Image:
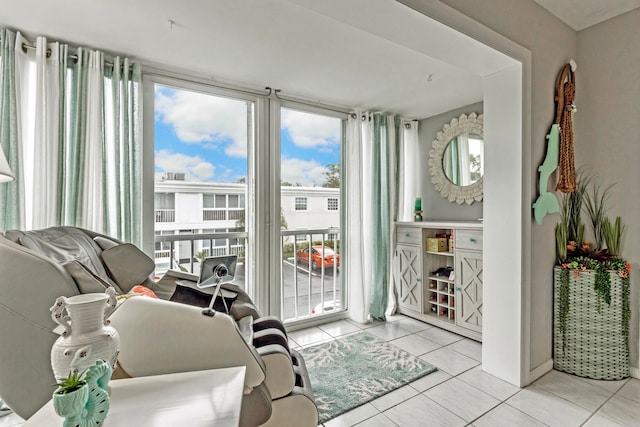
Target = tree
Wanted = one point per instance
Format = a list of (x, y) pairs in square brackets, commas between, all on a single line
[(333, 176)]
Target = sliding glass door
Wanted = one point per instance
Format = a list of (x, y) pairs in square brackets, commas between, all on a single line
[(310, 212), (249, 175), (202, 146)]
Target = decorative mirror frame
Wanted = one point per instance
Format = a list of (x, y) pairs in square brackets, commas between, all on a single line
[(472, 124)]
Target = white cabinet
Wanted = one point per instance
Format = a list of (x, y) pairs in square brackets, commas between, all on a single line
[(409, 277), (425, 287), (408, 268), (469, 289)]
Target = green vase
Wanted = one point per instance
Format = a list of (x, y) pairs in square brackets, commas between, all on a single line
[(88, 406), (67, 404)]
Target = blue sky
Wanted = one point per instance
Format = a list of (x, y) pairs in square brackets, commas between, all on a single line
[(204, 136)]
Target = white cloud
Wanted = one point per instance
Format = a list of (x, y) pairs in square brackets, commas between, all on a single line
[(312, 130), (195, 167), (305, 172), (204, 119)]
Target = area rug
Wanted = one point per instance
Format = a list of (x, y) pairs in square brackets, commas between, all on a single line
[(356, 369)]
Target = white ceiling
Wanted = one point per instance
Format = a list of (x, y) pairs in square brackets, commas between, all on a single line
[(372, 54), (581, 14)]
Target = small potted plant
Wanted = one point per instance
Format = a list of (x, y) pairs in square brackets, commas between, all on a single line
[(71, 395)]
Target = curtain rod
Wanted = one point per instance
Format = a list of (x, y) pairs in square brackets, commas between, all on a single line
[(364, 117), (26, 46), (154, 71)]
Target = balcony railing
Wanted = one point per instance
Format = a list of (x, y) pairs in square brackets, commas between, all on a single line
[(165, 215), (222, 214), (184, 249), (308, 287)]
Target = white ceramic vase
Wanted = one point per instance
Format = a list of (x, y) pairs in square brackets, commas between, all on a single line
[(87, 335)]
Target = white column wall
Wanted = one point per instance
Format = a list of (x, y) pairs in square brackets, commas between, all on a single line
[(502, 352), (188, 207)]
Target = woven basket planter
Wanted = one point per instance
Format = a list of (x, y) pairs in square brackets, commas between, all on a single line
[(594, 345)]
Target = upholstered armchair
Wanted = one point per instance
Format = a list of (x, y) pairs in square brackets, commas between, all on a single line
[(157, 336)]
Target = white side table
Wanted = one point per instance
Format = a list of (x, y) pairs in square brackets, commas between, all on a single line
[(201, 398)]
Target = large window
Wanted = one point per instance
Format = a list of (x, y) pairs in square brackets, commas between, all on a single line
[(217, 193), (310, 159), (201, 164)]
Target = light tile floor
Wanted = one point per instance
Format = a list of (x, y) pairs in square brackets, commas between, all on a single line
[(461, 394)]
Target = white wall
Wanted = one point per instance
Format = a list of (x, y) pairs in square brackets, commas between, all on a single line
[(316, 216), (552, 43), (503, 238), (607, 131), (188, 208)]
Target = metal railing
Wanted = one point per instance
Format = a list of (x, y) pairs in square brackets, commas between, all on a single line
[(222, 214), (309, 286), (165, 215), (223, 250), (315, 287), (185, 254)]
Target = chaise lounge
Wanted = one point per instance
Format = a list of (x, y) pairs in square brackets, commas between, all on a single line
[(157, 336)]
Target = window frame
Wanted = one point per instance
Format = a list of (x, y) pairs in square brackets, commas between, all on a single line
[(262, 200), (295, 203), (329, 204), (257, 136)]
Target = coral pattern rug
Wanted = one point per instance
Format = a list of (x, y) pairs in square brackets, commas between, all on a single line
[(356, 369)]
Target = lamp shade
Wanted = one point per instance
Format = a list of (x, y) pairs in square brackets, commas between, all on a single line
[(5, 172)]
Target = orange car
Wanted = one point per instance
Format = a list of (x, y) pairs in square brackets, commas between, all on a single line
[(321, 256)]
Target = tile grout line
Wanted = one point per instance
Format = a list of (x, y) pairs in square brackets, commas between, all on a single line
[(600, 407), (574, 403), (522, 412)]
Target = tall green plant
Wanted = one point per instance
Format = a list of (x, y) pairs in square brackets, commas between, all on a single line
[(595, 207), (571, 208), (561, 242), (613, 235)]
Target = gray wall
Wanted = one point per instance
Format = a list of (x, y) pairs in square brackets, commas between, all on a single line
[(435, 206), (552, 43), (607, 129)]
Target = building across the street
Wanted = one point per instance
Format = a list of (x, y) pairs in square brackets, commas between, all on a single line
[(184, 207)]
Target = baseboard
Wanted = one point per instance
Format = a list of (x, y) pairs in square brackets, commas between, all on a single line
[(540, 370), (634, 372)]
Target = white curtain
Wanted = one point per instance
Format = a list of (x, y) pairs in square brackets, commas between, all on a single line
[(92, 199), (371, 209), (395, 137), (38, 126), (404, 161), (77, 151), (359, 243), (408, 170), (463, 159)]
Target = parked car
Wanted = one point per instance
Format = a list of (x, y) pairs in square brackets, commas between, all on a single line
[(321, 256)]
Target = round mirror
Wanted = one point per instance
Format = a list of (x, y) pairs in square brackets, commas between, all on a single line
[(456, 159), (462, 160)]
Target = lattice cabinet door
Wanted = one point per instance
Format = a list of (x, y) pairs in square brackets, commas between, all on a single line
[(469, 289), (409, 277)]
